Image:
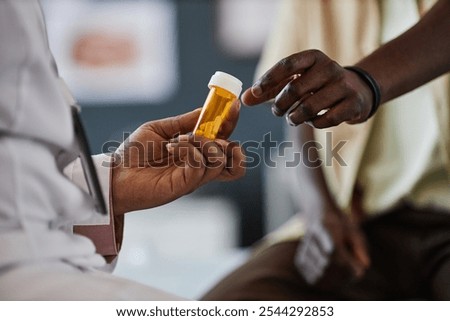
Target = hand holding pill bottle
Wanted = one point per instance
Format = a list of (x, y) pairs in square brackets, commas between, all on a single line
[(224, 90)]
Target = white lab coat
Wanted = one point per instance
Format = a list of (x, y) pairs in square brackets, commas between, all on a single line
[(40, 258)]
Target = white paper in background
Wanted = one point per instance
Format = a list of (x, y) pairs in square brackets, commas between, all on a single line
[(243, 25), (115, 51)]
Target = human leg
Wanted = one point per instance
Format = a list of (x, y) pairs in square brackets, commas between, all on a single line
[(395, 242), (269, 275)]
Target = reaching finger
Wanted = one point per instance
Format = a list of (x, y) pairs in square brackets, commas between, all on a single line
[(250, 100), (282, 72)]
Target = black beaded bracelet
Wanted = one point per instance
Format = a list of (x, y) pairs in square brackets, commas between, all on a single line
[(369, 80)]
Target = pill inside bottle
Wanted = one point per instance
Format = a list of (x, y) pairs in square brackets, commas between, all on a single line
[(224, 89)]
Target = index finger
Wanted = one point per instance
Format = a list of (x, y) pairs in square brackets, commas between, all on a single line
[(274, 80)]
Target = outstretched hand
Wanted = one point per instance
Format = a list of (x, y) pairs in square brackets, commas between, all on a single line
[(310, 87), (161, 161)]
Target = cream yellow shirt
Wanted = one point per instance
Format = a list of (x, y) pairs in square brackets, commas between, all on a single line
[(403, 159), (398, 155)]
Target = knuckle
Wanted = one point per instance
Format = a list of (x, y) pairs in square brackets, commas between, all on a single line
[(331, 65), (332, 119), (356, 105), (307, 110), (357, 113), (330, 72), (291, 89), (318, 124), (359, 100), (288, 63), (347, 85), (266, 80), (318, 55)]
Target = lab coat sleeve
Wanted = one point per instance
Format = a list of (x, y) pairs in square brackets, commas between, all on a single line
[(105, 231)]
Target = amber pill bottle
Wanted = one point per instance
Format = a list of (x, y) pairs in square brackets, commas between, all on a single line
[(224, 89)]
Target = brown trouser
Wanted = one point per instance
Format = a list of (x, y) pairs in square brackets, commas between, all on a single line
[(410, 253)]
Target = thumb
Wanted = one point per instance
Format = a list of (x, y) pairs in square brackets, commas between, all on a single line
[(177, 125)]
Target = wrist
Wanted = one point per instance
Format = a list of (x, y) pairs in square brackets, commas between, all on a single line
[(117, 200), (372, 84)]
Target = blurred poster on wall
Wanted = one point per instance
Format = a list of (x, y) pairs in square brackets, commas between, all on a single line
[(115, 51), (243, 26)]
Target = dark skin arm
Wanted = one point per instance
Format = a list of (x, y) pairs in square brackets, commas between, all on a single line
[(306, 83), (160, 162), (417, 56)]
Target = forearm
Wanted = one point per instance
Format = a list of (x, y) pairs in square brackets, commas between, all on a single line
[(414, 58)]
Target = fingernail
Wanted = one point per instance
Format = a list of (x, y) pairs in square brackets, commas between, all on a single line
[(309, 123), (170, 147), (276, 111), (181, 138), (257, 90), (213, 150), (289, 120)]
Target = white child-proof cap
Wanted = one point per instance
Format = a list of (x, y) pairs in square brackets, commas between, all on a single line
[(226, 81)]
